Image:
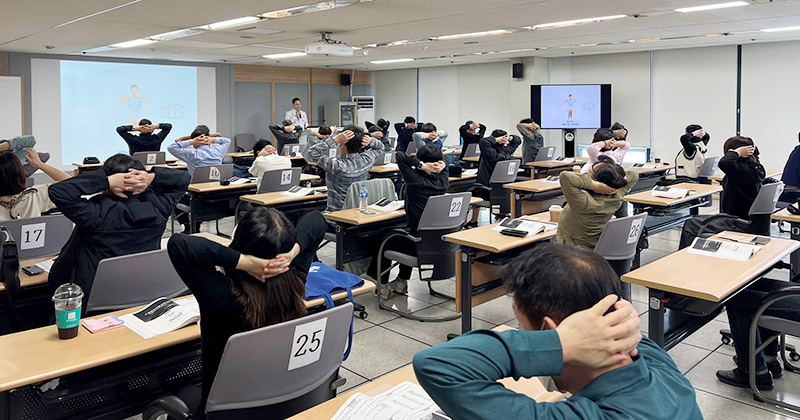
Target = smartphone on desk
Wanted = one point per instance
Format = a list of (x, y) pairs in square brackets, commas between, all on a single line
[(32, 270)]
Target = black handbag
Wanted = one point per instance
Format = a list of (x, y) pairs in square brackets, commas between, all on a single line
[(90, 160), (10, 273)]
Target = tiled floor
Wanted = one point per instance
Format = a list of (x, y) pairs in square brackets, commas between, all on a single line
[(385, 342)]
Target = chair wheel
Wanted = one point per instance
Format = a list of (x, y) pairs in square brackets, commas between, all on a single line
[(726, 340), (363, 314), (794, 356)]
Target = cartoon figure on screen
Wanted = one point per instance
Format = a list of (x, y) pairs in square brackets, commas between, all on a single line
[(570, 102), (135, 100)]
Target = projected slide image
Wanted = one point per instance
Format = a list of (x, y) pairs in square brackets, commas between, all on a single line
[(97, 97), (573, 106)]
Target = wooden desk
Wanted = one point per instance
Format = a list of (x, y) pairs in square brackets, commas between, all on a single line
[(87, 167), (703, 278), (458, 183), (771, 172), (531, 387), (285, 203), (661, 168), (794, 231), (543, 167), (472, 159), (384, 169), (477, 279), (532, 187), (646, 198)]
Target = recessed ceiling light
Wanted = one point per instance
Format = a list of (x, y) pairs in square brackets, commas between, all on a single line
[(712, 6), (472, 34), (180, 33), (396, 60), (232, 23), (785, 28), (134, 43), (576, 22), (97, 13), (284, 55)]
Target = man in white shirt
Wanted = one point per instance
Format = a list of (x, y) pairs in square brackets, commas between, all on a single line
[(267, 159), (297, 115)]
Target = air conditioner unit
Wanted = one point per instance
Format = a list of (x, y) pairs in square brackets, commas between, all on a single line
[(365, 109)]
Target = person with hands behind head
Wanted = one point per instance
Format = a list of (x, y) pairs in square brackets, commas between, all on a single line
[(533, 140), (262, 281), (428, 134), (405, 131), (376, 133), (471, 133), (574, 335), (16, 200), (344, 162), (127, 213), (606, 143), (267, 159), (694, 143), (382, 124), (200, 148), (286, 133), (425, 175), (495, 148), (140, 138)]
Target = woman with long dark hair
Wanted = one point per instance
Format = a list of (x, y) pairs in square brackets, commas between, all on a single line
[(262, 282), (16, 199)]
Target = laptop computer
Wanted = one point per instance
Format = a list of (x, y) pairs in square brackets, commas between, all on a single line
[(545, 153), (210, 173)]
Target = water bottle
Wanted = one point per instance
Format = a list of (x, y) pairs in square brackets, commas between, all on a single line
[(652, 158), (362, 198)]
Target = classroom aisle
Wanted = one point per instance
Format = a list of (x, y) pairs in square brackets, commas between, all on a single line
[(385, 342)]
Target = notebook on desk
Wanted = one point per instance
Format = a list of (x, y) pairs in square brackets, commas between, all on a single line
[(723, 249)]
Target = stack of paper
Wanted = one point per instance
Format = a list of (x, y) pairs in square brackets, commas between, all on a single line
[(669, 192), (529, 226), (403, 402), (297, 191), (723, 249)]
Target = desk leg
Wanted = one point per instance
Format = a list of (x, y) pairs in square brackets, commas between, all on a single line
[(656, 312), (517, 198), (339, 248), (466, 290), (637, 257), (794, 258), (192, 208)]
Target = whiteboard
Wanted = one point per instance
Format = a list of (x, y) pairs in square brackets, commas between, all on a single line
[(11, 121)]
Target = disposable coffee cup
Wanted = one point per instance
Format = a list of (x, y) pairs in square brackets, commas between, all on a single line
[(576, 168), (658, 160), (555, 213), (67, 300)]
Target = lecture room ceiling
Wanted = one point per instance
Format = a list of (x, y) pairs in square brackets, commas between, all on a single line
[(384, 29)]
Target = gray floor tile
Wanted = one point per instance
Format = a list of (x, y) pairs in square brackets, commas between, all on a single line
[(431, 333), (640, 307), (353, 380), (639, 293), (739, 411), (708, 336), (711, 405), (687, 356), (377, 351)]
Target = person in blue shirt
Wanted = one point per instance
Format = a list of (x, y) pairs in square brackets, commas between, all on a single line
[(200, 148), (405, 130), (573, 329), (428, 134)]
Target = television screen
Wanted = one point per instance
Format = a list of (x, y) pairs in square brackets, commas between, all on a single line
[(571, 106)]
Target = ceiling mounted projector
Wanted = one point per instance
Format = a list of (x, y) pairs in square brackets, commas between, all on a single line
[(328, 46)]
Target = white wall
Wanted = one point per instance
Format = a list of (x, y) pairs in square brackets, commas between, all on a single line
[(770, 113), (439, 99), (395, 94), (484, 95), (693, 86)]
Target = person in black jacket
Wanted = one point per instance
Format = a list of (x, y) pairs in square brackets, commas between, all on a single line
[(692, 138), (128, 215), (286, 133), (471, 132), (744, 175), (382, 124), (495, 148), (405, 131), (425, 175), (265, 267), (146, 141)]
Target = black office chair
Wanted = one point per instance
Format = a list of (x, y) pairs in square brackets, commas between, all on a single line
[(499, 202), (244, 142), (763, 206), (473, 150), (443, 214)]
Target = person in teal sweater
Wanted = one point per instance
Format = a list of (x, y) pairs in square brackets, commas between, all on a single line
[(574, 329), (17, 145)]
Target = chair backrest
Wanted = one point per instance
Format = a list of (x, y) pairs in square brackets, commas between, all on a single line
[(378, 188), (210, 173), (766, 199), (244, 141), (151, 158), (385, 159), (546, 153), (281, 362), (620, 237), (392, 142), (505, 172), (133, 280), (709, 167), (445, 211), (279, 180), (473, 150), (39, 237), (290, 148), (443, 214), (412, 148)]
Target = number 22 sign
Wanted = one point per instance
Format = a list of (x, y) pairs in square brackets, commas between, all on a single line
[(307, 343)]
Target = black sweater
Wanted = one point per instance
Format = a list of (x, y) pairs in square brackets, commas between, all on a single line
[(469, 138), (689, 142), (742, 182), (420, 186), (108, 226), (144, 142), (404, 135), (491, 153), (195, 260)]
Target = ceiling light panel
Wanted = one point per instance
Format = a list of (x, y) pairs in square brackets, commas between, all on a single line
[(576, 22), (712, 6)]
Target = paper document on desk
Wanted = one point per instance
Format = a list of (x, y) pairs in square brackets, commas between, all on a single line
[(525, 225), (162, 316), (384, 205), (239, 181), (668, 192), (469, 172), (390, 166), (298, 191), (723, 249), (406, 401), (552, 178), (46, 265)]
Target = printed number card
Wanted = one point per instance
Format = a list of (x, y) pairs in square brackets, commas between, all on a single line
[(151, 158), (213, 173), (307, 343), (332, 153), (387, 158), (633, 233), (32, 236), (455, 207), (286, 177), (512, 168)]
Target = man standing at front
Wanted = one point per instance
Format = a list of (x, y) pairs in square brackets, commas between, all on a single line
[(296, 115)]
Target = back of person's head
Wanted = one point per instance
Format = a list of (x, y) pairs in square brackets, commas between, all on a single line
[(556, 280), (602, 135), (259, 146), (608, 172), (409, 120), (498, 133), (286, 123), (121, 164), (200, 130), (525, 121), (325, 130), (265, 233), (693, 127), (383, 123), (427, 128), (375, 129), (469, 122), (353, 145), (144, 121), (12, 174), (618, 126), (736, 142), (429, 153)]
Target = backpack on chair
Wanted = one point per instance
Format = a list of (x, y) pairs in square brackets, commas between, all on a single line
[(10, 273)]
